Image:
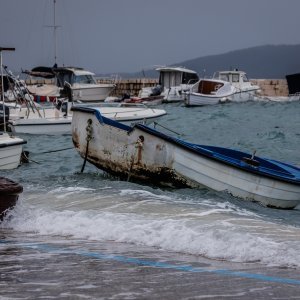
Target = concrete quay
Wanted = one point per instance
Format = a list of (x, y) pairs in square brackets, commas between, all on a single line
[(269, 87)]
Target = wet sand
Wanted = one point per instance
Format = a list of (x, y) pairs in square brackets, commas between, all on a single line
[(92, 270)]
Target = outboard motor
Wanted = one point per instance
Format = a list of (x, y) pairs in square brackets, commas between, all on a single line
[(156, 91), (125, 96), (67, 92)]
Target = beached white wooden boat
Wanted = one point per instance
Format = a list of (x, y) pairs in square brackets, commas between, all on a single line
[(143, 153), (225, 86), (56, 119)]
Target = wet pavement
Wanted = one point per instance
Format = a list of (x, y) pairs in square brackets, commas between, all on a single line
[(68, 269)]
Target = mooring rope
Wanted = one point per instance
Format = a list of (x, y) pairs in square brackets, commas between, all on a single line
[(88, 138), (57, 150), (157, 124)]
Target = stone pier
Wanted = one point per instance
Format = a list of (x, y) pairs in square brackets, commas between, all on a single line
[(269, 87)]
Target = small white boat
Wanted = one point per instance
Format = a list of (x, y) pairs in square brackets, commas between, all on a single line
[(225, 86), (173, 82), (56, 119), (38, 119), (143, 153), (11, 149), (209, 92), (83, 84), (126, 113)]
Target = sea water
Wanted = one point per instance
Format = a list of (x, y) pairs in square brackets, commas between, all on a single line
[(63, 211)]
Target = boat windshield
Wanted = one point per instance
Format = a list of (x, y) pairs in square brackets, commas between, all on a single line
[(224, 77), (84, 79), (235, 77), (189, 78)]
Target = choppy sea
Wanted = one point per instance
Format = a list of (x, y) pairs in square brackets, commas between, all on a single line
[(66, 222)]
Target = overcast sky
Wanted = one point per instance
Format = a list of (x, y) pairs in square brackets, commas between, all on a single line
[(111, 36)]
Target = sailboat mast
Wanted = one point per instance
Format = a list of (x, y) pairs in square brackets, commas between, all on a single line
[(55, 27)]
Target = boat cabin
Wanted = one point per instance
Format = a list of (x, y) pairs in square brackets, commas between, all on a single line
[(61, 75), (231, 76), (73, 76), (175, 76)]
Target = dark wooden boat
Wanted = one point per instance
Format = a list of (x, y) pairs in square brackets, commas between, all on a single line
[(9, 194)]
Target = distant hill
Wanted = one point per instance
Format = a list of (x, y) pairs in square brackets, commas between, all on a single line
[(269, 62)]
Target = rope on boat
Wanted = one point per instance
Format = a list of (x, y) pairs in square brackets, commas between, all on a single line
[(25, 158), (157, 124), (88, 138), (139, 144), (57, 150), (25, 155)]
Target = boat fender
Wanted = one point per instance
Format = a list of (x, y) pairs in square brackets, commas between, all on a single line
[(139, 145), (224, 99), (140, 141)]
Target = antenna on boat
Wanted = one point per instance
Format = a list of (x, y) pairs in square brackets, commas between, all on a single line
[(54, 26), (2, 84)]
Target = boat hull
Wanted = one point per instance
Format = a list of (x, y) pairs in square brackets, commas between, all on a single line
[(92, 93), (197, 99), (43, 126), (121, 152), (194, 99), (10, 151)]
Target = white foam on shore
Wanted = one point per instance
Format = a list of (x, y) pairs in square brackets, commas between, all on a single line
[(214, 233)]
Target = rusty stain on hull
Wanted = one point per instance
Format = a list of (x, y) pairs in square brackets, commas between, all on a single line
[(162, 176)]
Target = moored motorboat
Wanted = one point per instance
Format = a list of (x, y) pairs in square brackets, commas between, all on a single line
[(225, 86), (143, 153), (57, 118), (173, 82), (209, 92), (83, 84)]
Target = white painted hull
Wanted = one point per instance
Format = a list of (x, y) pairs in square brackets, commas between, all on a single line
[(176, 93), (10, 151), (197, 99), (52, 121), (244, 95), (92, 92), (47, 120), (43, 126), (132, 114), (158, 160), (82, 92)]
